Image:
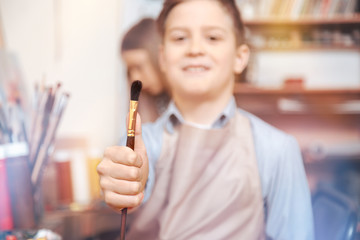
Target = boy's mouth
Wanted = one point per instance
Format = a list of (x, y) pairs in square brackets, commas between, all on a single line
[(195, 68)]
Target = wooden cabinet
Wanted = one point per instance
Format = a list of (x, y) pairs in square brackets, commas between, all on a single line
[(326, 123), (326, 117)]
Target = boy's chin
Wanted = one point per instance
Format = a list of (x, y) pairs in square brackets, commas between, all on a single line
[(195, 95)]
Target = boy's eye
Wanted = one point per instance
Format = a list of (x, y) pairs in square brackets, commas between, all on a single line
[(178, 38), (213, 38)]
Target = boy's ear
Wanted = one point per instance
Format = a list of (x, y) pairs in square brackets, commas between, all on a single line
[(242, 58), (161, 58)]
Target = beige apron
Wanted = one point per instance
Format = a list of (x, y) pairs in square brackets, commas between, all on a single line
[(207, 187)]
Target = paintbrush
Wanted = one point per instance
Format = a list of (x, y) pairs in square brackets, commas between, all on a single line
[(130, 141), (44, 125), (39, 162)]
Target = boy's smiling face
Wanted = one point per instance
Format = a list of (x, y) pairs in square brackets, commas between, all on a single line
[(199, 55)]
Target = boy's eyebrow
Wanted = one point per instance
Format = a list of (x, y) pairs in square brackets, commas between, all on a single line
[(210, 27), (177, 29), (215, 28)]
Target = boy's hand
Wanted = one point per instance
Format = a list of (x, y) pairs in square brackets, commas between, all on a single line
[(124, 172)]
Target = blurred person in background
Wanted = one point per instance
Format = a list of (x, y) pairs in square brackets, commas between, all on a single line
[(139, 51)]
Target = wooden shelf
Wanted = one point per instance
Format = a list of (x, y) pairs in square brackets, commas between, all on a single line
[(355, 19), (298, 101), (305, 34), (246, 89), (307, 48), (326, 116)]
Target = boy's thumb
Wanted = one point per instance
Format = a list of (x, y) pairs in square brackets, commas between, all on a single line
[(139, 144)]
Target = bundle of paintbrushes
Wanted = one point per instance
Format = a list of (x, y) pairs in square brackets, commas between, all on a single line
[(47, 109), (49, 105), (25, 149)]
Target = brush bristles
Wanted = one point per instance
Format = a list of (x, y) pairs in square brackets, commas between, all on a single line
[(135, 90)]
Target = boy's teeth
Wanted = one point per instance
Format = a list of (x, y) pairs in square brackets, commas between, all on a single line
[(195, 69)]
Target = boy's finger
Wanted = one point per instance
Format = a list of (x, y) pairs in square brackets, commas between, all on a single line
[(123, 155), (119, 201)]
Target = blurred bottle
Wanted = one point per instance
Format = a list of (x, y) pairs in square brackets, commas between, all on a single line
[(63, 177), (19, 184), (94, 158), (80, 178)]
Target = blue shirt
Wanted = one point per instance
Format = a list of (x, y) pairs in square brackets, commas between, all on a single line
[(284, 184)]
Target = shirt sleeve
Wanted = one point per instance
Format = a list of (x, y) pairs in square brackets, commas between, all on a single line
[(288, 201), (152, 137)]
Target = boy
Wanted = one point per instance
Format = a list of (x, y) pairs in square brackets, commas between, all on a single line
[(205, 169)]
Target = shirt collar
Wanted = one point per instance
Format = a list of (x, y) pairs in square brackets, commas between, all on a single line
[(173, 116)]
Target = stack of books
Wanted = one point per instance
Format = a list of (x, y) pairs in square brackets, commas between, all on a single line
[(294, 9)]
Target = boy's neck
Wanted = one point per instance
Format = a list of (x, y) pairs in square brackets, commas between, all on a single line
[(202, 111)]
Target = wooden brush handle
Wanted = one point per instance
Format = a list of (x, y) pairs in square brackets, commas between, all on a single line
[(123, 223), (130, 142)]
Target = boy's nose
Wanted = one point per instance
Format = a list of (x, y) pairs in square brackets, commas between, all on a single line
[(195, 47)]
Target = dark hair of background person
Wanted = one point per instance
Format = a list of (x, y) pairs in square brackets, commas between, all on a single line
[(155, 96), (141, 36)]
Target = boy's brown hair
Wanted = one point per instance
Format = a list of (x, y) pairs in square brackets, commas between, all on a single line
[(229, 6)]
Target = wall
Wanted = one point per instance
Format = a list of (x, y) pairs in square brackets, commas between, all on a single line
[(329, 69), (75, 42)]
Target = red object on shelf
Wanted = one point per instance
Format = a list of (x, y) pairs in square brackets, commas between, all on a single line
[(11, 237), (6, 220), (64, 180), (294, 83)]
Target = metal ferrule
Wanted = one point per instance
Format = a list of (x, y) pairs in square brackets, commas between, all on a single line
[(132, 118)]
